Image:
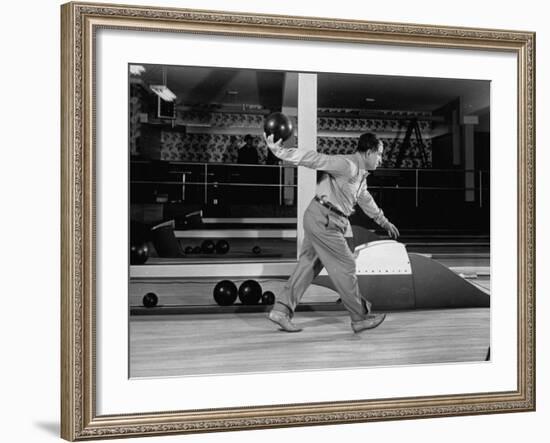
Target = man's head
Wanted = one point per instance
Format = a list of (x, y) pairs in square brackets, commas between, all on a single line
[(248, 139), (370, 148)]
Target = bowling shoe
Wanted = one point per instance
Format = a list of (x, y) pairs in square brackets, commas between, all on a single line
[(371, 322), (283, 321)]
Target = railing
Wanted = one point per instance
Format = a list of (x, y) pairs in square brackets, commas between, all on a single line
[(214, 175), (430, 180), (209, 177)]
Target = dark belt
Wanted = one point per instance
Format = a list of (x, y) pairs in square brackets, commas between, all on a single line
[(330, 207)]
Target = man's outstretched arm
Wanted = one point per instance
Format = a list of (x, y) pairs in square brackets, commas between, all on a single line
[(310, 159), (369, 206)]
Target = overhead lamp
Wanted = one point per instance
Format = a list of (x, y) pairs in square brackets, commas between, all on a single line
[(137, 70), (163, 92)]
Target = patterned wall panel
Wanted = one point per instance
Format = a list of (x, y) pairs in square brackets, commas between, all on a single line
[(412, 156), (212, 148), (368, 125), (223, 120), (136, 107), (219, 147), (391, 127)]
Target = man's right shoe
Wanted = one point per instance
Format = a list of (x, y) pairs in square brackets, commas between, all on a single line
[(283, 321), (371, 322)]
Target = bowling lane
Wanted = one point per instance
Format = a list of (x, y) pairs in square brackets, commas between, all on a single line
[(203, 344), (457, 261), (476, 270)]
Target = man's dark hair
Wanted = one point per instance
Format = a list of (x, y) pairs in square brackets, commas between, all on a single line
[(368, 142)]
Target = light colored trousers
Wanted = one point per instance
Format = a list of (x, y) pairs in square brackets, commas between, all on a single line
[(324, 245)]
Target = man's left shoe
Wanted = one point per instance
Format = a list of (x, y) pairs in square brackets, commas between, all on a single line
[(283, 321), (371, 322)]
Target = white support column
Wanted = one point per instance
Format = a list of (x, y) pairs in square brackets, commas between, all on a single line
[(307, 140), (290, 109)]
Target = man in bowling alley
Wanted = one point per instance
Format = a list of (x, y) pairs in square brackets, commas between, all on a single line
[(343, 185)]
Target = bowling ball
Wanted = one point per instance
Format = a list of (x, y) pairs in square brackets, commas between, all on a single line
[(250, 292), (279, 125), (208, 247), (257, 250), (150, 300), (222, 247), (268, 298), (225, 293), (139, 253), (197, 250), (189, 250)]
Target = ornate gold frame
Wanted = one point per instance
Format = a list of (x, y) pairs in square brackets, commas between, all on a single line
[(78, 417)]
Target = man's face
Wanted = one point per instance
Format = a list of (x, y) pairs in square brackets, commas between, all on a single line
[(374, 158)]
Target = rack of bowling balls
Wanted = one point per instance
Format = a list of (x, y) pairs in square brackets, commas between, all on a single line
[(140, 252), (220, 247), (226, 293), (209, 247), (249, 292)]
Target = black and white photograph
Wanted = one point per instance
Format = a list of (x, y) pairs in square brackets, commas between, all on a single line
[(306, 221), (288, 220)]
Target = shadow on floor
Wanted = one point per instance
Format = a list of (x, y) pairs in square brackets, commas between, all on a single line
[(51, 428)]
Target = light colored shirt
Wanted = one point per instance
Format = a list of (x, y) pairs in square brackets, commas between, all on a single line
[(344, 182)]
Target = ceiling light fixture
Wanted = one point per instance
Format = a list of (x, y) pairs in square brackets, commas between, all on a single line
[(137, 69), (162, 90), (370, 100)]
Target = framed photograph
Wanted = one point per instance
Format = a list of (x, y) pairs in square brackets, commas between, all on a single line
[(273, 221)]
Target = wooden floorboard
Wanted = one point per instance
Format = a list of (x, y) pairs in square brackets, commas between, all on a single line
[(203, 344)]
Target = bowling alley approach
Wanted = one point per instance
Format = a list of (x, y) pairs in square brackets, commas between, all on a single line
[(293, 221)]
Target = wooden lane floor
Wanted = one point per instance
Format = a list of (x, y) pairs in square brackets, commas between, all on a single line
[(203, 344)]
